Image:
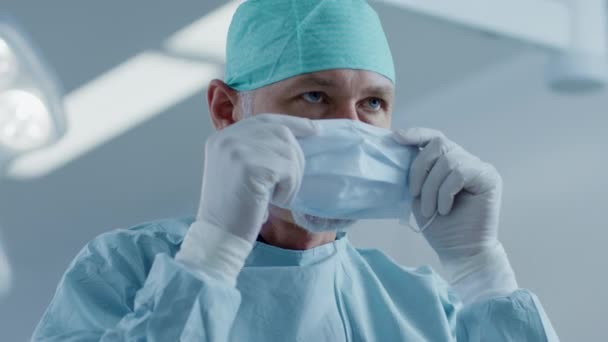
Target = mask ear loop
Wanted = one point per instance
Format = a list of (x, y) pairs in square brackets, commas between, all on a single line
[(414, 226)]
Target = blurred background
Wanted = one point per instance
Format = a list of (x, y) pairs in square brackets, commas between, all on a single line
[(519, 83)]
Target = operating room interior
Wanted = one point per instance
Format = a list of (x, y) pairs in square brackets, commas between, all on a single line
[(505, 79)]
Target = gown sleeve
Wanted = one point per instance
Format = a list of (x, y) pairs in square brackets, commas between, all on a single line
[(516, 317), (126, 286)]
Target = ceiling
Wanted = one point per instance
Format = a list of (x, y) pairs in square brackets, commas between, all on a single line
[(82, 40), (121, 85)]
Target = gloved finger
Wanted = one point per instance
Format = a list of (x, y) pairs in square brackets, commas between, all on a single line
[(424, 162), (268, 160), (279, 147), (480, 177), (417, 136), (444, 165), (417, 211), (292, 149), (271, 184), (261, 172), (451, 186), (275, 160), (290, 177), (300, 127)]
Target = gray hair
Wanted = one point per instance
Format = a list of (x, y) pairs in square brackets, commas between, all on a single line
[(246, 103)]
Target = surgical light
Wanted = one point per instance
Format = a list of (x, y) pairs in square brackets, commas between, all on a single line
[(31, 108), (8, 65), (25, 120)]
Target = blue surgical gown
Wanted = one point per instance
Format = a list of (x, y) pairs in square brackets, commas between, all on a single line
[(125, 286)]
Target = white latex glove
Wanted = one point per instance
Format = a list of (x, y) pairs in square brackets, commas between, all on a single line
[(466, 193), (247, 165)]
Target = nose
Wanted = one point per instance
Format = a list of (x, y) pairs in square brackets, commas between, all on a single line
[(346, 109)]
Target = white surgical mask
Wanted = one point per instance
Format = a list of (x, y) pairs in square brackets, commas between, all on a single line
[(320, 224), (353, 171)]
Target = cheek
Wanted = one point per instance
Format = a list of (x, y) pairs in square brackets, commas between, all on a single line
[(381, 120), (306, 110), (301, 110), (280, 213), (267, 103)]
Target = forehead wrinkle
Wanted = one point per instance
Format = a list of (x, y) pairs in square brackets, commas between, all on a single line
[(316, 81)]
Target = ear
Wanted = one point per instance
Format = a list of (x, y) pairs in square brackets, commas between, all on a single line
[(222, 104)]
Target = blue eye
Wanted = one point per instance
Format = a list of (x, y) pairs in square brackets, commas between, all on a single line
[(374, 103), (313, 96)]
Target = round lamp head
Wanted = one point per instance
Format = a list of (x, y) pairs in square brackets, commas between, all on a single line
[(25, 121)]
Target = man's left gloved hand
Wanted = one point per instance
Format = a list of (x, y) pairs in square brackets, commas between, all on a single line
[(466, 194)]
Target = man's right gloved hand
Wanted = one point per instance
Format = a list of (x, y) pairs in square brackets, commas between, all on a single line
[(247, 165)]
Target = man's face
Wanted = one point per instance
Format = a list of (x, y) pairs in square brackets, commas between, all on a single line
[(335, 94)]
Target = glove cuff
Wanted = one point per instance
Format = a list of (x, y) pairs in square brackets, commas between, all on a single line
[(213, 252), (485, 275)]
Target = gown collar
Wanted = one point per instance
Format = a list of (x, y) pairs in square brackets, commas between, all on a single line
[(264, 254)]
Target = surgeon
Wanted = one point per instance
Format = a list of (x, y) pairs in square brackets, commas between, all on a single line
[(249, 267)]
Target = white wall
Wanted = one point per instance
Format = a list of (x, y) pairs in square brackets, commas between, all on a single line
[(551, 152)]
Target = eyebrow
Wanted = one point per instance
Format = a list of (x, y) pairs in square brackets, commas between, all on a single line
[(380, 91)]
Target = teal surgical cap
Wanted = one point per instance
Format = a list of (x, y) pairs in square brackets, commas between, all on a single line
[(272, 40)]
